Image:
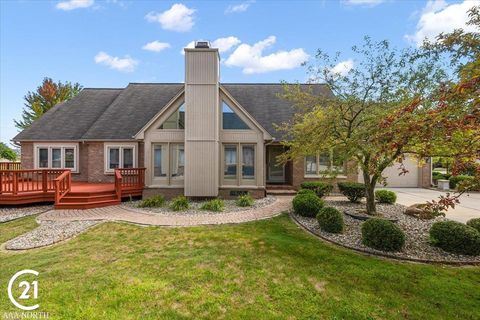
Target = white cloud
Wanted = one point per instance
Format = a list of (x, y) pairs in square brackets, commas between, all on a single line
[(250, 58), (242, 7), (74, 4), (342, 68), (369, 3), (438, 17), (125, 64), (223, 44), (156, 46), (178, 18)]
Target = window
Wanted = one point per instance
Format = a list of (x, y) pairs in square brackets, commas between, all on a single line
[(168, 161), (230, 120), (239, 163), (230, 168), (56, 156), (323, 163), (119, 156), (176, 120)]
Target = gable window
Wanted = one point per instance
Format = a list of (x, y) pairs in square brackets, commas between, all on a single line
[(238, 163), (322, 164), (230, 120), (176, 120), (168, 162), (119, 156), (56, 156)]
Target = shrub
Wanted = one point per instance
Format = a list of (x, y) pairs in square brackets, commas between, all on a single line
[(179, 203), (320, 188), (386, 196), (382, 235), (455, 237), (454, 181), (307, 205), (354, 191), (474, 223), (330, 220), (152, 202), (245, 200), (216, 205), (306, 191)]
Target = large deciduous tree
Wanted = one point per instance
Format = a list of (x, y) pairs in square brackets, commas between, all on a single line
[(48, 94), (389, 104), (7, 153)]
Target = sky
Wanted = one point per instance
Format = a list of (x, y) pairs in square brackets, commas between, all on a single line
[(114, 42)]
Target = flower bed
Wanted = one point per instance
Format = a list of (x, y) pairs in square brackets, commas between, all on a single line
[(230, 206), (417, 246)]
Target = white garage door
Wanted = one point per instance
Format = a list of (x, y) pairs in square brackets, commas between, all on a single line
[(409, 180)]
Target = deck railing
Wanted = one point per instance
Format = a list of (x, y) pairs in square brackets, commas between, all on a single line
[(24, 181), (118, 184), (63, 185), (129, 179), (10, 165)]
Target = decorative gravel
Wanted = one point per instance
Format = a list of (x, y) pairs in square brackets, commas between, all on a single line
[(12, 213), (48, 233), (230, 206), (416, 247)]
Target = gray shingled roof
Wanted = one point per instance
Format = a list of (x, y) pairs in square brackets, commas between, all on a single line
[(114, 114)]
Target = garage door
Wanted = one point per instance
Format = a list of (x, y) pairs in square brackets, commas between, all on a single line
[(409, 180)]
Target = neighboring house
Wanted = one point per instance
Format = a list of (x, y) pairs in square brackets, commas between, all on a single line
[(201, 138)]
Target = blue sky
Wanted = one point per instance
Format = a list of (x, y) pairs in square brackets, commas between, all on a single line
[(111, 43)]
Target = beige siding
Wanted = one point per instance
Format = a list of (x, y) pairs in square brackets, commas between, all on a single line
[(201, 66)]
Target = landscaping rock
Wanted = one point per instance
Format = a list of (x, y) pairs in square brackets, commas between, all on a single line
[(13, 213)]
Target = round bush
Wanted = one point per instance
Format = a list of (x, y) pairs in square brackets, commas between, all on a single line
[(245, 200), (354, 191), (474, 223), (307, 205), (320, 188), (386, 196), (330, 220), (382, 235), (455, 237), (306, 191), (454, 181)]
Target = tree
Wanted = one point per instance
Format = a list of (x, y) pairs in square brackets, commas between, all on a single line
[(381, 110), (7, 153), (45, 97)]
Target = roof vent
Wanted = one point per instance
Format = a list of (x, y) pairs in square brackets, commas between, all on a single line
[(202, 45)]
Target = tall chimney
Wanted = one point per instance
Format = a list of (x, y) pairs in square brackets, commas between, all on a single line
[(201, 120)]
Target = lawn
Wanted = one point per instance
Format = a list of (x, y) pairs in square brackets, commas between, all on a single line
[(261, 270)]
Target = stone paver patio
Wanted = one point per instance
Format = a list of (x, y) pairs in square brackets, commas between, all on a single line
[(119, 213)]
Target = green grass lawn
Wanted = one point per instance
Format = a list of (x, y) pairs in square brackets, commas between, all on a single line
[(261, 270)]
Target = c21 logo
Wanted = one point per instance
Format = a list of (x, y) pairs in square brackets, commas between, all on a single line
[(30, 290)]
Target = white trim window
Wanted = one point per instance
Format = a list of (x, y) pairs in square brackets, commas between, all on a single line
[(56, 156), (323, 164), (239, 163), (120, 156)]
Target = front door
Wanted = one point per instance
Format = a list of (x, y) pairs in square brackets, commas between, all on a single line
[(276, 172)]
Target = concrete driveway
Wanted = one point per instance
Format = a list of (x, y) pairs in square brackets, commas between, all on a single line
[(468, 208)]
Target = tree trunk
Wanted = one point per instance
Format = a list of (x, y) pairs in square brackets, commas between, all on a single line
[(370, 183)]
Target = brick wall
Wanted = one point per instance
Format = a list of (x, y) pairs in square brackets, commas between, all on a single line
[(299, 175), (168, 193), (26, 155), (425, 174)]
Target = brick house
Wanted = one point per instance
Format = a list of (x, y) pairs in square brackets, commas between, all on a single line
[(201, 138)]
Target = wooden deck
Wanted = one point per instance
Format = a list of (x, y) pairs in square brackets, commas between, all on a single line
[(45, 185)]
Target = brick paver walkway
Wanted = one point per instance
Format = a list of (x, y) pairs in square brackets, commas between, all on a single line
[(120, 213)]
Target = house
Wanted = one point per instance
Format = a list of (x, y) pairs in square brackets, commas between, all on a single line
[(201, 138)]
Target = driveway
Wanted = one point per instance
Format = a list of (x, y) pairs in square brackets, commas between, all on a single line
[(468, 208)]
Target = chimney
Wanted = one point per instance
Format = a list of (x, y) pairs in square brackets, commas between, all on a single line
[(202, 120)]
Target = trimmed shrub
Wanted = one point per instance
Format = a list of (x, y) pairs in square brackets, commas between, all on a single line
[(386, 196), (179, 203), (382, 235), (307, 205), (320, 188), (306, 191), (216, 205), (455, 237), (454, 181), (354, 191), (330, 220), (152, 202), (474, 223), (245, 200)]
